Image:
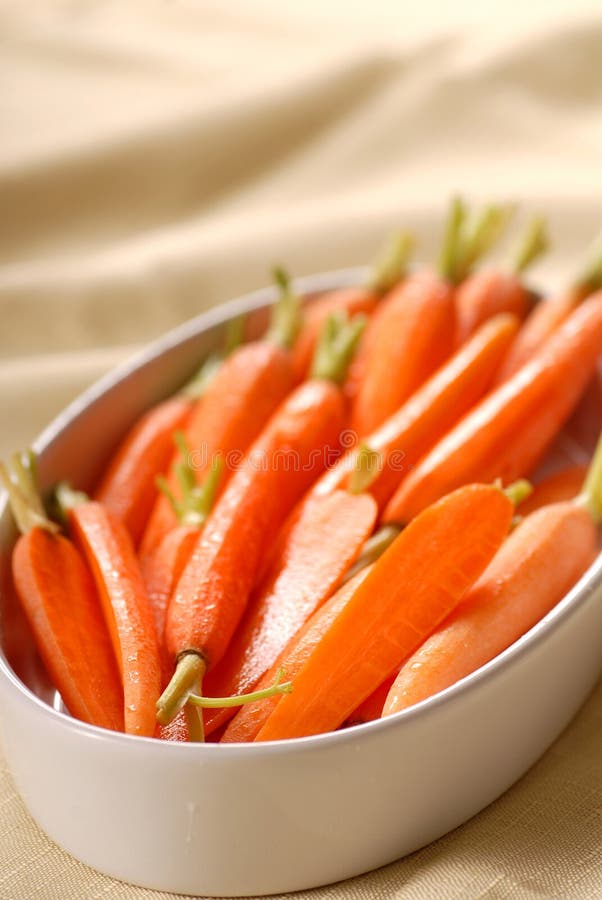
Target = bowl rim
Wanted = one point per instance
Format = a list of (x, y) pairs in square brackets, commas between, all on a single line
[(308, 286)]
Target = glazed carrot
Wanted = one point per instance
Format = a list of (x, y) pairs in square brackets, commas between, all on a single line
[(109, 552), (411, 334), (214, 588), (406, 594), (372, 707), (548, 315), (247, 388), (389, 269), (248, 722), (490, 291), (62, 607), (509, 431), (540, 561), (323, 539), (434, 408), (562, 485)]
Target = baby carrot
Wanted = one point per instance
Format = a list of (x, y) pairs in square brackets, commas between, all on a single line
[(539, 562), (372, 707), (413, 330), (507, 434), (323, 539), (109, 552), (490, 291), (388, 270), (406, 594), (562, 485), (246, 389), (214, 588), (547, 315), (60, 602), (430, 412)]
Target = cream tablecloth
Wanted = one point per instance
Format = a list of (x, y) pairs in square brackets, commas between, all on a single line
[(156, 157)]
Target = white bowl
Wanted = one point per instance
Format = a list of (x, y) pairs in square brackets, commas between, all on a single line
[(273, 817)]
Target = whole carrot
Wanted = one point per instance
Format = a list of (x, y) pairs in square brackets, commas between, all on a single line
[(508, 432), (490, 291), (62, 607), (388, 270), (214, 588), (412, 332), (246, 389), (430, 412), (109, 552), (548, 314), (323, 539), (540, 561), (405, 595)]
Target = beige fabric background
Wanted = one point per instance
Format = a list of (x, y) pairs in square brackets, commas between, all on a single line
[(156, 157)]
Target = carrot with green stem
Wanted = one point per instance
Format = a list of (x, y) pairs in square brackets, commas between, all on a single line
[(507, 434), (548, 314), (413, 331), (212, 592), (490, 291), (435, 407), (389, 269), (323, 538), (109, 552), (539, 562), (58, 596), (127, 486), (414, 585), (245, 391)]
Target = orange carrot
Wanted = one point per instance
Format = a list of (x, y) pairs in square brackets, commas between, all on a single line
[(562, 485), (60, 602), (507, 434), (214, 588), (323, 539), (406, 594), (434, 408), (540, 561), (372, 707), (108, 549), (488, 292), (388, 270)]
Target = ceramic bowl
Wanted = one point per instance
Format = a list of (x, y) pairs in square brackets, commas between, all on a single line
[(272, 817)]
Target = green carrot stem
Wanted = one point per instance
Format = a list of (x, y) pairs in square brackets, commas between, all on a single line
[(196, 500), (285, 320), (278, 687), (366, 468), (194, 724), (392, 264), (590, 278), (518, 491), (534, 243), (65, 498), (336, 346), (25, 502), (591, 493), (452, 238), (373, 549), (188, 675), (478, 241)]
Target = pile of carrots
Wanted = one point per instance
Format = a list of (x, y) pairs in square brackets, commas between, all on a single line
[(331, 523)]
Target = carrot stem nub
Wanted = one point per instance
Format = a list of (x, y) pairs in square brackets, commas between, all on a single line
[(591, 277), (336, 347), (464, 244), (26, 504), (189, 672), (285, 321), (367, 467), (518, 491), (277, 687), (197, 499), (392, 264), (534, 243), (373, 549)]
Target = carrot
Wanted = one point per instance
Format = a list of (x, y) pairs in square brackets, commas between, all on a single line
[(323, 539), (548, 315), (488, 292), (402, 599), (214, 588), (412, 332), (127, 486), (562, 485), (59, 599), (540, 561), (247, 388), (508, 432), (389, 269), (372, 707), (434, 408), (109, 552)]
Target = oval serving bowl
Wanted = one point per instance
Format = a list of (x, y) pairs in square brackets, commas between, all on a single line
[(284, 816)]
